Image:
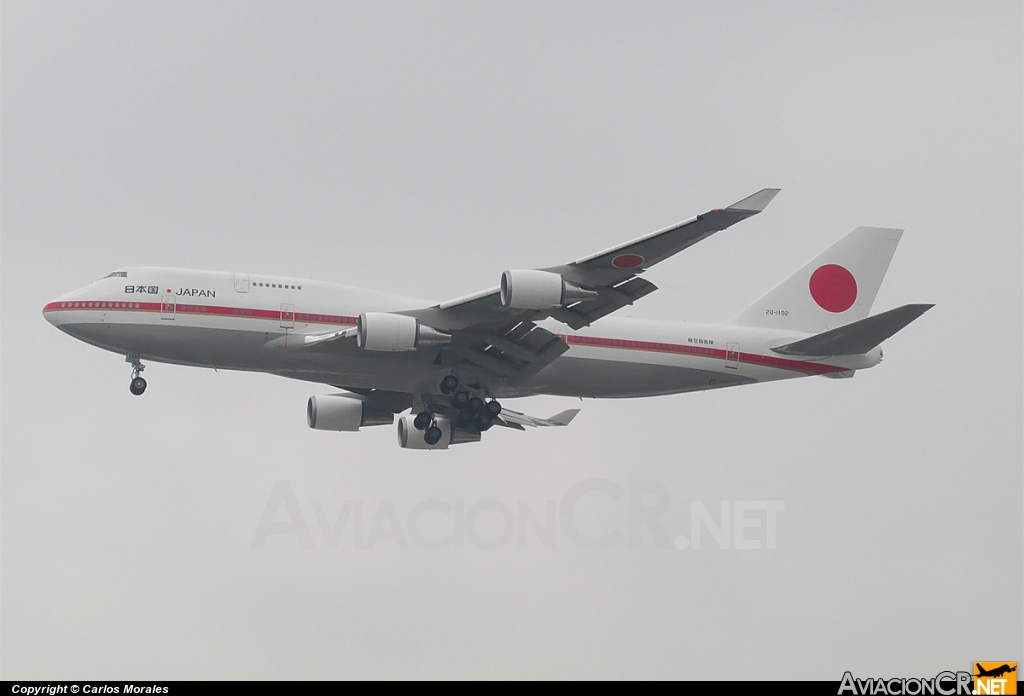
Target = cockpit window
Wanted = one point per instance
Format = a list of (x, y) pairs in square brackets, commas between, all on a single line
[(117, 274)]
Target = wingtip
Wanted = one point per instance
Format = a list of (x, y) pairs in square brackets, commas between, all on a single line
[(565, 417), (757, 202)]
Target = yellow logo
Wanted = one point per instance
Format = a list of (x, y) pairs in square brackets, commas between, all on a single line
[(995, 678)]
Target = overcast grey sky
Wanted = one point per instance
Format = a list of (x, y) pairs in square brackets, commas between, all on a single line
[(425, 148)]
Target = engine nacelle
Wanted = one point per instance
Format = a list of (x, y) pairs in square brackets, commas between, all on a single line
[(383, 331), (411, 438), (539, 290), (344, 413)]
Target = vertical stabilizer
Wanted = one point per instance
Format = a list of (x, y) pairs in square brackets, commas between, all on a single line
[(836, 288)]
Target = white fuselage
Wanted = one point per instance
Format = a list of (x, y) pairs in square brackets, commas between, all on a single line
[(257, 323)]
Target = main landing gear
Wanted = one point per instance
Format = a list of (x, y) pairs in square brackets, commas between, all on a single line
[(425, 421), (472, 410), (449, 384), (138, 384)]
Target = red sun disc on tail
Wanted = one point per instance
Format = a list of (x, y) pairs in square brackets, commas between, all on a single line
[(627, 261), (833, 288)]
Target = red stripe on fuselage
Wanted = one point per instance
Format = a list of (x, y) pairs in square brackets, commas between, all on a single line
[(703, 352), (200, 309), (336, 319)]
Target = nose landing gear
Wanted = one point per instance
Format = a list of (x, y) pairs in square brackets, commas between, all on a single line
[(138, 384)]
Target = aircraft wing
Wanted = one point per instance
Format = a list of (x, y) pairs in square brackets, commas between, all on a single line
[(514, 419), (613, 274), (396, 402), (507, 342), (621, 263)]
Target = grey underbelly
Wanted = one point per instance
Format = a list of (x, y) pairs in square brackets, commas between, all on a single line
[(341, 363), (612, 379)]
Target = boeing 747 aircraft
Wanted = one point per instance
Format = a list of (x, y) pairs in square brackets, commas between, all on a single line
[(547, 331)]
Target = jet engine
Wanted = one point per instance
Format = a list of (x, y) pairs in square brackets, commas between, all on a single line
[(345, 413), (410, 437), (539, 290), (382, 331)]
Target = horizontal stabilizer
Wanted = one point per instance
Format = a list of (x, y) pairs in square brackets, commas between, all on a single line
[(858, 337)]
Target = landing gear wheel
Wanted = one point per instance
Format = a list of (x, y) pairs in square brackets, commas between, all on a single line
[(433, 435), (475, 405), (482, 421), (449, 384), (422, 420), (493, 408), (463, 419), (138, 385), (460, 399)]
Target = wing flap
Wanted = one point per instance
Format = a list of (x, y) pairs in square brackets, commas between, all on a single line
[(608, 300), (514, 354), (316, 339)]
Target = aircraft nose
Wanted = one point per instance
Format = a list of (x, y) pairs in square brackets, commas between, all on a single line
[(57, 311), (52, 311)]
